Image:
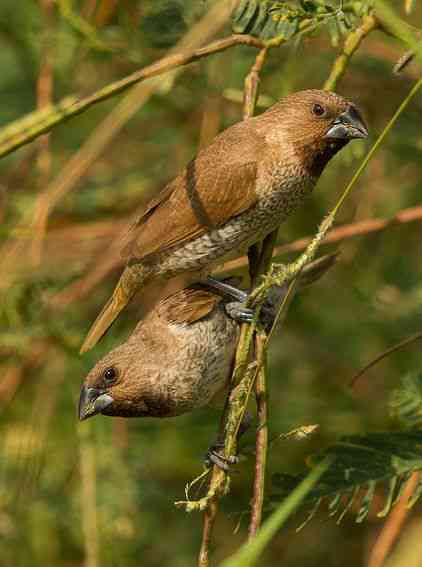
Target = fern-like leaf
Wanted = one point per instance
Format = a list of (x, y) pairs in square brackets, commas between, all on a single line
[(358, 465), (406, 402), (268, 19)]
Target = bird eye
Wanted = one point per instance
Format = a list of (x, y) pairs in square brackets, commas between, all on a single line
[(318, 110), (110, 375)]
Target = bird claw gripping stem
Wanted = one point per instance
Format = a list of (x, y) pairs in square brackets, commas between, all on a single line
[(239, 309), (214, 457), (278, 274)]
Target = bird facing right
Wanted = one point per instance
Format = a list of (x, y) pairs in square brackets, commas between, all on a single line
[(237, 190)]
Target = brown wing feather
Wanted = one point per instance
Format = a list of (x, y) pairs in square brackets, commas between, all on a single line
[(187, 306), (216, 186)]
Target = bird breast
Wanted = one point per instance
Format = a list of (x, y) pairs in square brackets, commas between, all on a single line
[(278, 195), (202, 364)]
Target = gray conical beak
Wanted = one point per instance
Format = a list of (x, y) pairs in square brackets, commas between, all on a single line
[(348, 126), (92, 401)]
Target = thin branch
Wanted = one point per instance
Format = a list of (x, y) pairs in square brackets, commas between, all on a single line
[(252, 85), (210, 514), (98, 141), (261, 441), (34, 124), (402, 344), (245, 372), (259, 260), (377, 144), (403, 61), (87, 468), (26, 129), (261, 396), (102, 230), (344, 232), (393, 25), (393, 525), (44, 100), (351, 44)]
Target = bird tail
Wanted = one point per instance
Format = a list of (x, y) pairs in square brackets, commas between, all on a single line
[(108, 315)]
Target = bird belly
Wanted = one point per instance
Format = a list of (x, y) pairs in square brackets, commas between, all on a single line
[(203, 364), (234, 237)]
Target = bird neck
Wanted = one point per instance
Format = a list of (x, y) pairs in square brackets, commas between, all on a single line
[(317, 155)]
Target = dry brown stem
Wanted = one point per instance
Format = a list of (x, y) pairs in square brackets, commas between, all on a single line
[(393, 525)]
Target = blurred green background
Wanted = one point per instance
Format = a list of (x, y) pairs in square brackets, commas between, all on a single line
[(102, 492)]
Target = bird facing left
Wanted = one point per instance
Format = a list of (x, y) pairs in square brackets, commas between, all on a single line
[(181, 355)]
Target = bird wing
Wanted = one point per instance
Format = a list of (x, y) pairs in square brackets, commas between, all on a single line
[(214, 187), (187, 305)]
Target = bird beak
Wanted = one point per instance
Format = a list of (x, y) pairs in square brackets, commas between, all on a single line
[(92, 401), (348, 126)]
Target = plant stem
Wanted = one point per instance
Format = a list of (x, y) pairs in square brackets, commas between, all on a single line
[(402, 344), (261, 441), (217, 481), (209, 521), (352, 43), (393, 526), (343, 232), (88, 495), (377, 144), (30, 127)]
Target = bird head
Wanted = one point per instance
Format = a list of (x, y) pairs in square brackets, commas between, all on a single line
[(315, 125), (115, 385)]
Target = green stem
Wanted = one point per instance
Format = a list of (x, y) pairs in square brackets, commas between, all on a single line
[(32, 126), (377, 144), (352, 43)]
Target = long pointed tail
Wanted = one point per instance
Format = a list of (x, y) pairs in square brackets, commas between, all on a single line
[(108, 315)]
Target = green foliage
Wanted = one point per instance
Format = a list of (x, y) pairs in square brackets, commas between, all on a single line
[(65, 487), (270, 19), (249, 554), (406, 402), (359, 463), (163, 23)]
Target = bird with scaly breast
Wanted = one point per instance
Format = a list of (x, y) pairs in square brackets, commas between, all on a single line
[(233, 193), (181, 355)]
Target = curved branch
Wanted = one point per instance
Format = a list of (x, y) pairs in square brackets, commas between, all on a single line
[(404, 343)]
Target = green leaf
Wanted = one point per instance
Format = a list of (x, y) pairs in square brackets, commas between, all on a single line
[(249, 553), (406, 402), (358, 464), (269, 19)]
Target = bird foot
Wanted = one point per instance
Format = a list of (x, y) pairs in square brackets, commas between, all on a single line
[(237, 309), (239, 312), (214, 457), (227, 289)]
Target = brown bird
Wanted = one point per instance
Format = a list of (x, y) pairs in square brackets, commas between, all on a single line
[(180, 355), (236, 191)]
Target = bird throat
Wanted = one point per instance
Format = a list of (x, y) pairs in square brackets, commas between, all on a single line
[(318, 156)]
